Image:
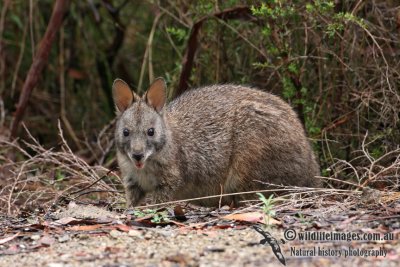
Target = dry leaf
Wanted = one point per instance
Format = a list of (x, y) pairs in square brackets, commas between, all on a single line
[(85, 227), (255, 217), (76, 74), (124, 227), (179, 213), (6, 239), (66, 220)]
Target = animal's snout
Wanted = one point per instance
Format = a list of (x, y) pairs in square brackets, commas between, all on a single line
[(137, 157)]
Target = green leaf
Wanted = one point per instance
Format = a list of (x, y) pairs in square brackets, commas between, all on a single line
[(17, 21)]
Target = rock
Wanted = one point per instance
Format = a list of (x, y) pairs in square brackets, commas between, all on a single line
[(63, 238), (115, 233), (148, 235), (135, 233), (35, 237)]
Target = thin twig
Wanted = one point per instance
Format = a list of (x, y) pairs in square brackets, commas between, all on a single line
[(63, 111), (305, 189), (148, 54)]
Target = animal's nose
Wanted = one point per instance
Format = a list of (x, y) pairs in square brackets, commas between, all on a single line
[(137, 157)]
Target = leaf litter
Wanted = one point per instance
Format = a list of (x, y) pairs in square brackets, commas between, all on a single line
[(214, 231)]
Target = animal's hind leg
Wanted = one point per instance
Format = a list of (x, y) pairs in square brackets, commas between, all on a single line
[(235, 183)]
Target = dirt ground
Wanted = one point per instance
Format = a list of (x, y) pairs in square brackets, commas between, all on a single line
[(90, 236), (160, 247)]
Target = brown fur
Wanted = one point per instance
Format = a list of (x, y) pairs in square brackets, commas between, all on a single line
[(221, 136)]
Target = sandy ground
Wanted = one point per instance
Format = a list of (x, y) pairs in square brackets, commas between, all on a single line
[(56, 241), (175, 247)]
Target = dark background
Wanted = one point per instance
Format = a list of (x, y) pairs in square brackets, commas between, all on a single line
[(336, 62)]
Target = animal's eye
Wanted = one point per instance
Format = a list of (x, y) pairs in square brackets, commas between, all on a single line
[(125, 132), (150, 132)]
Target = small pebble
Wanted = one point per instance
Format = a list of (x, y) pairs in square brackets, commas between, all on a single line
[(148, 235), (35, 237), (135, 233), (115, 233), (63, 238)]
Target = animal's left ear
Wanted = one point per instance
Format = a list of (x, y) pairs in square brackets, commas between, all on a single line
[(156, 95)]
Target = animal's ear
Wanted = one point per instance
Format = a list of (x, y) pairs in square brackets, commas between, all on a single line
[(122, 94), (156, 95)]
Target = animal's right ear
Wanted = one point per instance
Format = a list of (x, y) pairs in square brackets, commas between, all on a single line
[(122, 94)]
